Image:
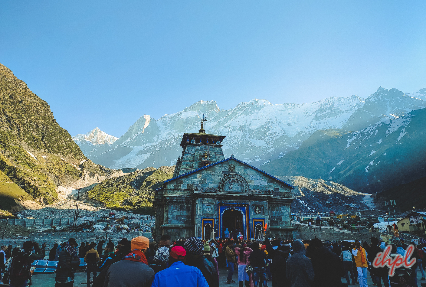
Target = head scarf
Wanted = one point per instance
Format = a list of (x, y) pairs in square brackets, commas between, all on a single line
[(136, 256), (162, 254), (71, 250), (194, 246), (140, 243)]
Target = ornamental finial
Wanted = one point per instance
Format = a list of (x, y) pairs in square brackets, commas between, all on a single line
[(202, 130)]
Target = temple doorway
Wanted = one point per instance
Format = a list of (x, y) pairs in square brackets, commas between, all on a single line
[(232, 224), (208, 232)]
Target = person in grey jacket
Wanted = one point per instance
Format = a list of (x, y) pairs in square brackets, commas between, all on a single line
[(133, 270), (299, 268)]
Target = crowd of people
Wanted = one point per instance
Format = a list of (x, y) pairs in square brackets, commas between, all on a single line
[(194, 262)]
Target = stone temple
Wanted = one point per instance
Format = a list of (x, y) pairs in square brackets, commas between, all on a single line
[(210, 196)]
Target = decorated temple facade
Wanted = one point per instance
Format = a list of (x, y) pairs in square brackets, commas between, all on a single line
[(210, 196)]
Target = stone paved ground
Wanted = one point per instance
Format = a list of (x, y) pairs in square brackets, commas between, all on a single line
[(47, 280)]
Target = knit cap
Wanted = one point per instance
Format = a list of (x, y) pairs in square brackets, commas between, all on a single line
[(207, 248), (162, 254), (140, 243), (194, 246), (177, 252)]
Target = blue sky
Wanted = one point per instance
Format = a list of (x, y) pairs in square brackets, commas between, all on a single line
[(106, 63)]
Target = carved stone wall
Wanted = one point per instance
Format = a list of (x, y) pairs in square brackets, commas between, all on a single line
[(194, 199)]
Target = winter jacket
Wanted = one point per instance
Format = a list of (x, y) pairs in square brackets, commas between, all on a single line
[(247, 252), (257, 258), (206, 266), (327, 266), (299, 270), (127, 273), (278, 268), (67, 265), (179, 274), (230, 254), (359, 255)]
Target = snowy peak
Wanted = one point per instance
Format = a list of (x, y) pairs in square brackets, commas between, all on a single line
[(381, 105), (203, 107), (256, 131), (96, 137)]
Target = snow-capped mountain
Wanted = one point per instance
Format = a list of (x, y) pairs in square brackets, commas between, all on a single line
[(385, 154), (96, 137), (94, 140), (257, 131)]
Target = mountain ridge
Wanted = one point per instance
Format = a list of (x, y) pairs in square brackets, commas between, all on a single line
[(256, 131), (36, 154)]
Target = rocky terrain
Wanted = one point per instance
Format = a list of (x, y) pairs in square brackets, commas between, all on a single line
[(83, 219), (384, 155), (314, 196)]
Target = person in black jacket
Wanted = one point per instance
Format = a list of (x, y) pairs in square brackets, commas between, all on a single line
[(258, 262), (52, 252), (67, 265), (19, 271), (299, 270), (278, 266), (327, 265), (2, 260), (380, 273), (194, 257), (123, 248)]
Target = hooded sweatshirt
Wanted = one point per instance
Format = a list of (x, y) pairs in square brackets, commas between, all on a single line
[(299, 268)]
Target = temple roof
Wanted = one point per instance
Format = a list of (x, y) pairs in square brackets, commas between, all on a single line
[(201, 138), (225, 160)]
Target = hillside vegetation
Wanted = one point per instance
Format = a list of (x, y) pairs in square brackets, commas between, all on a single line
[(134, 191), (36, 154)]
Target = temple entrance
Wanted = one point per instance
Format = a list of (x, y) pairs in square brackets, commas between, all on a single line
[(208, 232), (232, 224), (258, 231)]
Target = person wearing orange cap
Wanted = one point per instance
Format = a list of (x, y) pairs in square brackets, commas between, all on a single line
[(133, 270), (179, 274)]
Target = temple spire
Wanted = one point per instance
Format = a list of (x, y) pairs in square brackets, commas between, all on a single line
[(202, 130)]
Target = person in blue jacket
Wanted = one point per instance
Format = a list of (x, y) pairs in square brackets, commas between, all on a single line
[(179, 274)]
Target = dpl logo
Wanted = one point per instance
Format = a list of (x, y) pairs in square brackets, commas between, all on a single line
[(383, 259)]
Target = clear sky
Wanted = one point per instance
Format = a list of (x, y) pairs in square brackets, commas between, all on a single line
[(106, 63)]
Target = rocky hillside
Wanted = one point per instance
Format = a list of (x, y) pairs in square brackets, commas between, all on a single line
[(406, 195), (383, 155), (134, 191), (317, 195), (37, 156)]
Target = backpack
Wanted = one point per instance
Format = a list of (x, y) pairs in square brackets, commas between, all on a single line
[(20, 266)]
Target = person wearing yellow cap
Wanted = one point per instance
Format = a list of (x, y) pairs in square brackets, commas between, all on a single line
[(133, 270)]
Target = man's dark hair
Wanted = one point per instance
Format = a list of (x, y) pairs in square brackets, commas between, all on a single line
[(27, 246), (316, 243), (72, 242), (165, 237)]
